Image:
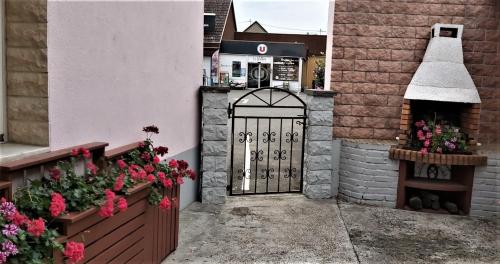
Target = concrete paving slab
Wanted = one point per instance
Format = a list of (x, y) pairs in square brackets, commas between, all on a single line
[(282, 228), (384, 235)]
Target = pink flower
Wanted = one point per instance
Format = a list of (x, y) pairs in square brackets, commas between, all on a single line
[(121, 164), (151, 178), (423, 151), (91, 167), (74, 152), (110, 195), (122, 204), (36, 227), (74, 251), (191, 174), (167, 183), (19, 219), (55, 174), (428, 135), (165, 203), (57, 204), (179, 180), (420, 135), (438, 130), (149, 168), (119, 182), (142, 174), (145, 156), (85, 152), (172, 163), (427, 143), (156, 160), (161, 176)]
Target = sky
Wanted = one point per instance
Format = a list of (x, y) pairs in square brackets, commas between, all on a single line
[(283, 16)]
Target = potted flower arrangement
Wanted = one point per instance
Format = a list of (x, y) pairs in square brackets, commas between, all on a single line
[(438, 137), (32, 227)]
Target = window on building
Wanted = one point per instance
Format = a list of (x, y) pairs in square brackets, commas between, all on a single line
[(236, 68)]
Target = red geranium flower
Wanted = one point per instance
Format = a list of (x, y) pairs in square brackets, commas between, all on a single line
[(85, 152), (191, 174), (91, 167), (119, 182), (161, 150), (122, 204), (182, 164), (19, 219), (172, 163), (179, 180), (57, 204), (165, 203), (151, 178), (156, 160), (168, 183), (74, 251), (121, 164), (36, 227), (74, 152), (149, 168), (161, 176), (145, 156), (55, 174)]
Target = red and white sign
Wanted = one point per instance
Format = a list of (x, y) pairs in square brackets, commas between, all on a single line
[(262, 49)]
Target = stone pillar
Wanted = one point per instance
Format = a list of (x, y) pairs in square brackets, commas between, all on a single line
[(214, 120), (319, 144)]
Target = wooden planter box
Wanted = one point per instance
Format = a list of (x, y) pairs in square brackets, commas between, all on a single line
[(142, 234)]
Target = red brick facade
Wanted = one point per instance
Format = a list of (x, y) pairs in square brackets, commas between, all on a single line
[(378, 45)]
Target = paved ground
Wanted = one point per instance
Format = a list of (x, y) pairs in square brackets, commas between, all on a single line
[(293, 229)]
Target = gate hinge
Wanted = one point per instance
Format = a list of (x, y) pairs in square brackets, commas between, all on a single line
[(228, 187), (229, 110)]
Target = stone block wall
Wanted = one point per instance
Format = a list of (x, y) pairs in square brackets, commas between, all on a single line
[(485, 200), (214, 144), (378, 45), (26, 67), (319, 145), (366, 174)]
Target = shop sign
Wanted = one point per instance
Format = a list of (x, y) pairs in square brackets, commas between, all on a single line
[(285, 69), (262, 48)]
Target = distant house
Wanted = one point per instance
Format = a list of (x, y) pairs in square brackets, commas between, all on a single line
[(220, 24), (255, 27)]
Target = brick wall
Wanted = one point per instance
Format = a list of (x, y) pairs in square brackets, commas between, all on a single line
[(26, 66), (378, 45)]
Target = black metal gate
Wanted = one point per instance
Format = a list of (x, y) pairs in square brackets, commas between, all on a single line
[(267, 142)]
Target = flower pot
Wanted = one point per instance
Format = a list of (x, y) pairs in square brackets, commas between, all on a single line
[(141, 234)]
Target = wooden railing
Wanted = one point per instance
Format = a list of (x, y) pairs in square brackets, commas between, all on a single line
[(142, 234)]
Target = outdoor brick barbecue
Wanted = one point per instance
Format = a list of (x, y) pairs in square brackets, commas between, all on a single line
[(439, 128)]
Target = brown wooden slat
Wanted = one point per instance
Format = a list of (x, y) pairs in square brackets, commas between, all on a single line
[(177, 212), (79, 226), (117, 152), (42, 158), (99, 230), (120, 233), (119, 247), (129, 253), (139, 258)]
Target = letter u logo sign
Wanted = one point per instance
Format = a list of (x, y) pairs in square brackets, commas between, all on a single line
[(262, 49)]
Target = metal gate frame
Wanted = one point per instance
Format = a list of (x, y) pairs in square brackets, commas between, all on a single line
[(301, 120)]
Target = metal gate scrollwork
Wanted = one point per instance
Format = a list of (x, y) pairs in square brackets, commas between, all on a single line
[(267, 142)]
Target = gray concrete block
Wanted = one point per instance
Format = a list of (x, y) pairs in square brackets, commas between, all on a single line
[(319, 177), (214, 195), (208, 163), (214, 179), (214, 148), (319, 191), (215, 117), (319, 147), (319, 133), (319, 103), (221, 164), (323, 162), (215, 132), (320, 118), (215, 100)]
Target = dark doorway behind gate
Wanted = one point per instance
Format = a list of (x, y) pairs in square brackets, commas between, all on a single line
[(267, 142)]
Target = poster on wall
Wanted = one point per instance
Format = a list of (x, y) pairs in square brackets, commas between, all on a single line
[(286, 69), (215, 67)]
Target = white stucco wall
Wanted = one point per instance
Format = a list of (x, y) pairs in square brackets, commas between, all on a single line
[(116, 66)]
